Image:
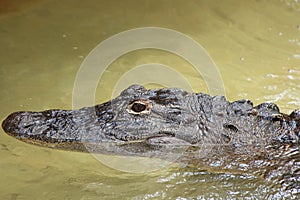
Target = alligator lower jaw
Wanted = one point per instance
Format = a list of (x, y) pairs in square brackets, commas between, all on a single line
[(134, 147), (69, 146)]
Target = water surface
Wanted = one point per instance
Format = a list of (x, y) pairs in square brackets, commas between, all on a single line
[(255, 44)]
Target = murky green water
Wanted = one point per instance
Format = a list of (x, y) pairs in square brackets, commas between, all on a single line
[(256, 45)]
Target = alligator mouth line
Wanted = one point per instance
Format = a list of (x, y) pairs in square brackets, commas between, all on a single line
[(160, 138), (161, 134), (55, 144)]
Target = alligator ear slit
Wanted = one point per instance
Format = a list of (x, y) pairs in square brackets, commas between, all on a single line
[(231, 127)]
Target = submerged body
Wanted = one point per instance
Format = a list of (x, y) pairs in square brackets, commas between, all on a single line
[(204, 129)]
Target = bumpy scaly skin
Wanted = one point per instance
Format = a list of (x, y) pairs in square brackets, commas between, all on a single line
[(181, 117)]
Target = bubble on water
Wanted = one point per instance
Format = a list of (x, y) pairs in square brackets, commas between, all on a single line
[(242, 95), (272, 75), (296, 41), (290, 77), (271, 87), (291, 70), (297, 56)]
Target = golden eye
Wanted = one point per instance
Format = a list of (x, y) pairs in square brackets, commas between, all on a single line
[(139, 107)]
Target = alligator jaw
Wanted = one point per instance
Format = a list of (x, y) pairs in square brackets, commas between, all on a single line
[(42, 129)]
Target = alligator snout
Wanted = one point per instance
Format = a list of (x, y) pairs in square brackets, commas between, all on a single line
[(11, 124), (43, 126), (25, 125)]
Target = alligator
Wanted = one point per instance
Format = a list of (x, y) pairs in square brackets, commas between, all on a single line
[(202, 128), (158, 116)]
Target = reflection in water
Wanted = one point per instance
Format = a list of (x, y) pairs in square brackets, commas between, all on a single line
[(274, 171), (255, 45)]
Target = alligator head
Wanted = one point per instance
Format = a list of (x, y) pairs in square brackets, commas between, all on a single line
[(140, 119), (138, 116)]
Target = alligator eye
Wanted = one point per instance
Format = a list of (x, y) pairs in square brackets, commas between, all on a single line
[(139, 107)]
